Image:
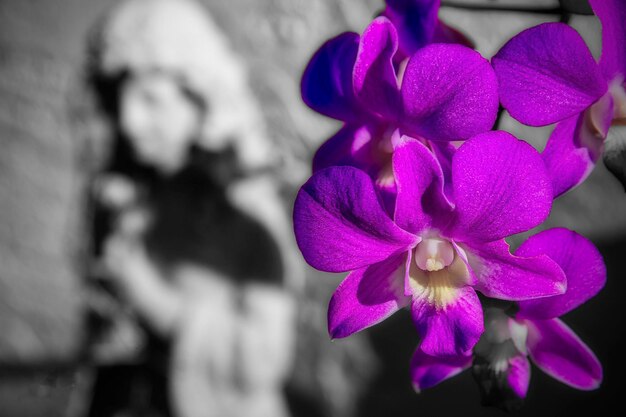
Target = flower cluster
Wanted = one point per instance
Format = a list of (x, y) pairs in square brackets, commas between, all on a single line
[(415, 195)]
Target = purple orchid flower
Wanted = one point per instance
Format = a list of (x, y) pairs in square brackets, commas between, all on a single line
[(442, 93), (418, 24), (534, 330), (433, 256), (548, 75)]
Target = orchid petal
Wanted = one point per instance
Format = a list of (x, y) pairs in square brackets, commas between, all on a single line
[(415, 21), (340, 224), (568, 163), (444, 151), (547, 74), (518, 375), (580, 261), (374, 77), (428, 371), (449, 92), (612, 15), (500, 187), (508, 277), (338, 149), (420, 200), (326, 84), (557, 351), (576, 144), (450, 330), (367, 296)]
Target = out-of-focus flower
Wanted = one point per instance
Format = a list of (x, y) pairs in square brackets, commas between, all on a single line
[(433, 255), (442, 93), (547, 74), (500, 357)]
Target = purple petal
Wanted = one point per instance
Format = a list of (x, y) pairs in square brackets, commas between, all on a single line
[(420, 201), (338, 149), (518, 375), (375, 82), (327, 80), (580, 261), (568, 163), (547, 74), (340, 225), (576, 144), (428, 371), (449, 92), (500, 186), (612, 14), (444, 151), (508, 277), (415, 21), (367, 296), (449, 330), (557, 351)]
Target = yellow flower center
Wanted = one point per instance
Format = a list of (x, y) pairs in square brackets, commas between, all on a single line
[(437, 271)]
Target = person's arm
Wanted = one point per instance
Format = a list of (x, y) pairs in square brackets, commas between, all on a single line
[(141, 283)]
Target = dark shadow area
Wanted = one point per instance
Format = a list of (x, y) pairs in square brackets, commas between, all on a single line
[(601, 323)]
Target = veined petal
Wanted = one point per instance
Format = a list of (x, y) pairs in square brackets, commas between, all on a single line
[(576, 144), (367, 146), (428, 371), (581, 262), (374, 77), (338, 150), (367, 296), (444, 151), (508, 277), (449, 92), (340, 224), (557, 351), (326, 84), (612, 15), (568, 163), (518, 375), (415, 21), (500, 187), (451, 329), (547, 74), (420, 202)]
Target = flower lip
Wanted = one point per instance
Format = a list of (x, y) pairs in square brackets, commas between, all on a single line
[(434, 254), (437, 271)]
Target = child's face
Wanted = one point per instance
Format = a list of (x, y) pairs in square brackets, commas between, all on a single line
[(159, 120)]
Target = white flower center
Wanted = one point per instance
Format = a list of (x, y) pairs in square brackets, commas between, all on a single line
[(433, 254), (437, 272)]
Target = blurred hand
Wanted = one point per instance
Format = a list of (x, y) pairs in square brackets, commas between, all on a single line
[(125, 258)]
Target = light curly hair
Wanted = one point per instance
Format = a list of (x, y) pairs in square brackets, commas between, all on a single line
[(180, 38)]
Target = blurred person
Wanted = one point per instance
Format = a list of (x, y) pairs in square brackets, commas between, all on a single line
[(189, 230)]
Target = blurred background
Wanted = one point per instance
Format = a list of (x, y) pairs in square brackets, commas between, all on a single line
[(80, 80)]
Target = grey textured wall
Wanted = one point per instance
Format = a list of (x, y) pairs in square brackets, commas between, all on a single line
[(41, 44)]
